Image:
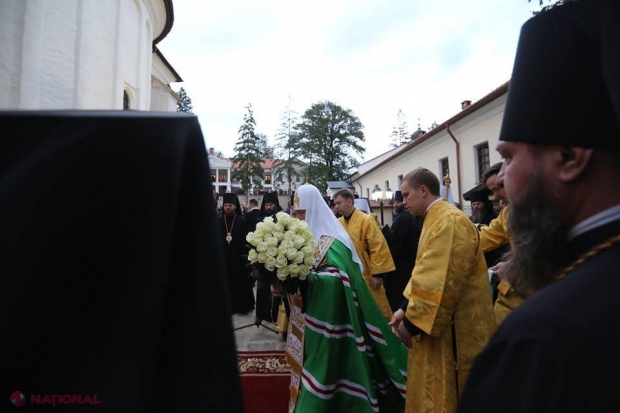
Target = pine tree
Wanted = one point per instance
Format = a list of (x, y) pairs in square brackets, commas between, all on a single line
[(247, 158), (184, 104)]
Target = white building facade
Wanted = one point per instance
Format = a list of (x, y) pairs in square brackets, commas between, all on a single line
[(85, 54), (462, 146)]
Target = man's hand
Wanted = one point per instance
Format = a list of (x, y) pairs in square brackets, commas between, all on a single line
[(396, 321), (377, 282), (498, 270), (404, 335)]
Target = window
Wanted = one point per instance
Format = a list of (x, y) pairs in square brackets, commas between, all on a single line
[(224, 176), (483, 160), (368, 193), (296, 178), (387, 185), (444, 169), (126, 101), (213, 177), (400, 182), (268, 179)]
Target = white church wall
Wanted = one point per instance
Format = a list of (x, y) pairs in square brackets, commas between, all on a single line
[(77, 54)]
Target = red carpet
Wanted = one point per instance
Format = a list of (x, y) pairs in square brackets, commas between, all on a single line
[(265, 377)]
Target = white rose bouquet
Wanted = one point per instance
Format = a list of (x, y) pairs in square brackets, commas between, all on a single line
[(283, 248)]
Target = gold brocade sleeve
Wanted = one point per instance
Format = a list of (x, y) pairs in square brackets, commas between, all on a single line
[(496, 234), (381, 261), (440, 274)]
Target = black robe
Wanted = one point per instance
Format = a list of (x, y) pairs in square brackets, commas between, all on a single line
[(560, 350), (252, 217), (403, 240), (236, 257), (112, 271)]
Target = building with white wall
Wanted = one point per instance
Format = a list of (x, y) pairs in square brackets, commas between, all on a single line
[(85, 54), (464, 146)]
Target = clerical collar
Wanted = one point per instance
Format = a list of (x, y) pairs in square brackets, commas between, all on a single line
[(429, 207), (595, 221), (348, 217)]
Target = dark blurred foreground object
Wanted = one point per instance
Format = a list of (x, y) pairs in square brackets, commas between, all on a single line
[(112, 273)]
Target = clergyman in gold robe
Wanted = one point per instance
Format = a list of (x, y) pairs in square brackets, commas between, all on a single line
[(447, 316), (370, 245)]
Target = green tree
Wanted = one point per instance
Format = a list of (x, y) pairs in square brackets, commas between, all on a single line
[(399, 134), (266, 151), (329, 140), (287, 145), (247, 159), (184, 104)]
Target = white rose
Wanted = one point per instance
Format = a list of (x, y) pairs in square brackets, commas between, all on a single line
[(309, 261), (308, 250), (298, 242), (268, 227), (282, 273), (262, 257), (268, 220), (262, 247), (294, 270), (299, 258), (287, 242), (279, 227), (304, 273), (272, 251), (270, 264), (252, 256), (283, 217), (259, 232), (272, 241), (291, 254), (281, 261), (282, 250), (278, 235)]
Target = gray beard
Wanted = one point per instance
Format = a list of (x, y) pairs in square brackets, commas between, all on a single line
[(539, 252), (479, 217)]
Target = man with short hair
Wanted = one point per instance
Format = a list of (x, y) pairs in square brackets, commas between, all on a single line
[(402, 239), (447, 316), (370, 244), (559, 350), (252, 215)]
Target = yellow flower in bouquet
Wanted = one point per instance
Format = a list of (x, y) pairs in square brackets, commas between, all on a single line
[(284, 246)]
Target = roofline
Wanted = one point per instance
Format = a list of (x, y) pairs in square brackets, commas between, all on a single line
[(168, 65), (169, 22), (462, 114)]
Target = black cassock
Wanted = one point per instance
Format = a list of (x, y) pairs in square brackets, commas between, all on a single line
[(236, 253), (560, 350), (112, 273), (403, 240)]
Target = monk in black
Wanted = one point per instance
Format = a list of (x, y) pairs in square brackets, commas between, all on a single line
[(234, 230), (113, 279), (403, 240), (560, 350)]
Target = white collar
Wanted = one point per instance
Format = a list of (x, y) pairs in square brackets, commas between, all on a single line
[(595, 221), (435, 201)]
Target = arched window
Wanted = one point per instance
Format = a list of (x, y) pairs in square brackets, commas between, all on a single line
[(126, 102)]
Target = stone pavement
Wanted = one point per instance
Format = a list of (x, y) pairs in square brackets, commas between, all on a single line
[(256, 338)]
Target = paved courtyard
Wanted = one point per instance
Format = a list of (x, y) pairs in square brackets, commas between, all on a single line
[(256, 338)]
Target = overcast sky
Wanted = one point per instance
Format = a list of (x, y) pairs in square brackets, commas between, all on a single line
[(373, 57)]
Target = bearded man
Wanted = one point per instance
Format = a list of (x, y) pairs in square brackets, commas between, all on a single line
[(560, 138)]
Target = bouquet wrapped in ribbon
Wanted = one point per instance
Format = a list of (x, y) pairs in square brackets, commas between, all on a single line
[(283, 250)]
